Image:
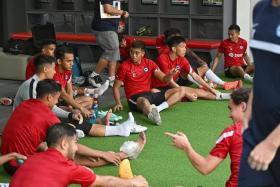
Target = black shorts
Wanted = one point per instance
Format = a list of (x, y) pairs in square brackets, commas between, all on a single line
[(183, 82), (228, 73), (153, 98), (85, 126)]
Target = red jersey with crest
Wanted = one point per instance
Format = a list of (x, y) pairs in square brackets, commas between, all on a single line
[(165, 64), (62, 78), (136, 77), (230, 142), (233, 52)]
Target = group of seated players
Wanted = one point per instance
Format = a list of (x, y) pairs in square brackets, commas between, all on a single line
[(49, 110)]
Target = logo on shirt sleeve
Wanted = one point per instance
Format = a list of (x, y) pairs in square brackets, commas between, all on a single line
[(278, 31), (146, 69)]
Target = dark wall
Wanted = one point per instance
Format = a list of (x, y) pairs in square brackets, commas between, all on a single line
[(1, 23), (13, 18)]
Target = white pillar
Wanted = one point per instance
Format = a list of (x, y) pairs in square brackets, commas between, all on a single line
[(244, 11)]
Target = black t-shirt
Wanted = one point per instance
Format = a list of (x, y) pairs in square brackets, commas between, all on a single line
[(265, 46), (99, 24)]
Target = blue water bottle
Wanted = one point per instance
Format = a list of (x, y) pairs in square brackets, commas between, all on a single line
[(94, 109)]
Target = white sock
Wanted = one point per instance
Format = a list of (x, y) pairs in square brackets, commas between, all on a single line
[(248, 77), (102, 89), (222, 96), (130, 117), (192, 80), (93, 74), (162, 106), (120, 130), (213, 77), (112, 78), (89, 91)]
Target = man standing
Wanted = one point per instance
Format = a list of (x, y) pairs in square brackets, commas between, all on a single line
[(260, 162), (105, 30)]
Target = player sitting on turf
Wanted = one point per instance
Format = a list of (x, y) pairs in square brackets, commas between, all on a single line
[(235, 52), (200, 66), (136, 74), (176, 59)]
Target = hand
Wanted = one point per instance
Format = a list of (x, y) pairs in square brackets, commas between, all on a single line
[(262, 155), (86, 113), (125, 14), (118, 107), (11, 156), (78, 117), (112, 157), (179, 140), (173, 71), (139, 181)]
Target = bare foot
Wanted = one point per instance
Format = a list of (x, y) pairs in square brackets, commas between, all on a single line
[(106, 119), (142, 140)]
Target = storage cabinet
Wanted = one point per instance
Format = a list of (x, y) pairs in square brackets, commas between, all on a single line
[(197, 19)]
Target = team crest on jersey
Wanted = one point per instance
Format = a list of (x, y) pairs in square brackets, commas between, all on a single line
[(241, 47), (177, 67), (146, 70), (278, 31), (66, 77)]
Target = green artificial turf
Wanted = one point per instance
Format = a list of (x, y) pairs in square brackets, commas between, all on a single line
[(162, 164)]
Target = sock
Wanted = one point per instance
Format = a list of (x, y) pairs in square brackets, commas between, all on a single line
[(120, 130), (112, 78), (213, 77), (93, 74), (162, 106), (192, 80), (248, 77), (222, 96), (89, 91), (103, 88), (130, 117)]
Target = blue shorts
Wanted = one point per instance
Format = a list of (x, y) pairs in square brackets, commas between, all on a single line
[(249, 177)]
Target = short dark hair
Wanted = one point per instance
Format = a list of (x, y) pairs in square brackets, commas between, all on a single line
[(44, 43), (138, 44), (240, 95), (234, 27), (41, 60), (171, 32), (58, 131), (47, 86), (61, 50), (175, 40)]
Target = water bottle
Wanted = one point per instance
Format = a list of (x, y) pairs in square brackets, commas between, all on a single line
[(94, 109), (95, 105)]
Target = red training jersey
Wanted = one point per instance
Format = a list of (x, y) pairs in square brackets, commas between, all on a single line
[(230, 142), (165, 64), (62, 78), (233, 52), (27, 127), (51, 168), (136, 77), (161, 45), (30, 68)]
